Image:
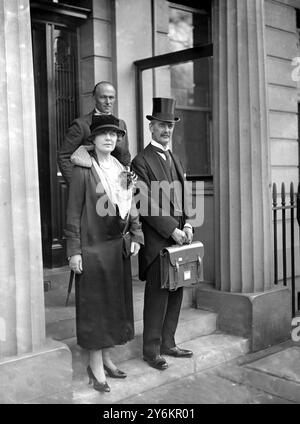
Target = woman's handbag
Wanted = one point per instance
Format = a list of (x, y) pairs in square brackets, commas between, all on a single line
[(181, 265)]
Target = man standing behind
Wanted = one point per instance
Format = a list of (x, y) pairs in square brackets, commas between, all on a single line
[(161, 306), (104, 95)]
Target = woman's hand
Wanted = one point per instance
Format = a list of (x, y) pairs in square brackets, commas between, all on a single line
[(134, 248), (75, 263)]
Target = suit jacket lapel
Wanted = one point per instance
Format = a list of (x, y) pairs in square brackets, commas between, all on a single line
[(178, 167), (157, 169), (187, 194), (151, 156)]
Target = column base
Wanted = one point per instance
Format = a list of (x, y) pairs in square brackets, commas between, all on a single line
[(264, 318), (38, 374)]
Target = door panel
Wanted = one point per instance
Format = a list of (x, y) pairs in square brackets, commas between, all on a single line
[(55, 71)]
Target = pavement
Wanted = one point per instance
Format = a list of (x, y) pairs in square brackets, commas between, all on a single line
[(271, 376), (221, 372)]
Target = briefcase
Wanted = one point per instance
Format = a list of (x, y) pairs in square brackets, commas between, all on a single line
[(181, 265)]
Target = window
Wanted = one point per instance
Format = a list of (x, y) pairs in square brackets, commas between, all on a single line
[(184, 74), (191, 87), (188, 27)]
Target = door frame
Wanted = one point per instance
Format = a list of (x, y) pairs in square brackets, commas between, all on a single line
[(181, 56), (67, 17)]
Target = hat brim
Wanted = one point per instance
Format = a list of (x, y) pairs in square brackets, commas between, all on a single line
[(155, 118), (108, 127)]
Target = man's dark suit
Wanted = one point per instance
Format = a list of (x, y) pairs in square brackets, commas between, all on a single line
[(77, 133), (161, 307)]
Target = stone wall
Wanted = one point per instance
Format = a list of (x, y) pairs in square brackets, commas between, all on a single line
[(96, 51), (133, 38), (281, 48)]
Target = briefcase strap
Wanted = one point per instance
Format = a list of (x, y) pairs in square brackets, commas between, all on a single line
[(199, 267), (177, 272)]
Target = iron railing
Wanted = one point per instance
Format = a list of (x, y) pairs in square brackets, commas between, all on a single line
[(289, 203)]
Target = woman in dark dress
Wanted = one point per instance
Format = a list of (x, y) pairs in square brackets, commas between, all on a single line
[(100, 211)]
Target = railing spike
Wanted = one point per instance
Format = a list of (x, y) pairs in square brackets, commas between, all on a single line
[(292, 193), (283, 194), (274, 194)]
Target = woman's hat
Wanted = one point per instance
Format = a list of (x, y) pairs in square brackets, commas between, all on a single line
[(163, 110), (105, 122)]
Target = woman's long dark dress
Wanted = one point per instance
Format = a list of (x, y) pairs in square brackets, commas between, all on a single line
[(103, 292)]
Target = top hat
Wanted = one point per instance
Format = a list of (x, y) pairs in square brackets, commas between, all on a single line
[(163, 110), (105, 122)]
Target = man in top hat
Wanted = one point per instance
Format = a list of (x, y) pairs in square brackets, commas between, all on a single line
[(161, 306), (104, 95)]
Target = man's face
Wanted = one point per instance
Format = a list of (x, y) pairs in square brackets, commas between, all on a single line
[(161, 131), (105, 97)]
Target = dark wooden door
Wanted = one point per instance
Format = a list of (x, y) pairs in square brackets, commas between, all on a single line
[(55, 72)]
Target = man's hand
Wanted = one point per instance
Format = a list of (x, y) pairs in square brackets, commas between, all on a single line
[(189, 234), (179, 236), (134, 248), (75, 263)]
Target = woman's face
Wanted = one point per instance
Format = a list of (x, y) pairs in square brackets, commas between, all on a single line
[(105, 141)]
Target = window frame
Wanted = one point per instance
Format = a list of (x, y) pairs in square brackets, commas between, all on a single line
[(180, 56)]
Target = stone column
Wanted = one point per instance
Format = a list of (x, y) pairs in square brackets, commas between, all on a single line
[(242, 167), (243, 214), (22, 311)]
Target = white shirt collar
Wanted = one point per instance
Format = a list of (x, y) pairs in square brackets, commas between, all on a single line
[(159, 146), (101, 113)]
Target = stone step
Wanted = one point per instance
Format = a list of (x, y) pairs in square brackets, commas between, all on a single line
[(209, 351), (192, 324), (277, 374), (60, 319)]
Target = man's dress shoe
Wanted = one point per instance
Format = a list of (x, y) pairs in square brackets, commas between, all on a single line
[(157, 362), (177, 352)]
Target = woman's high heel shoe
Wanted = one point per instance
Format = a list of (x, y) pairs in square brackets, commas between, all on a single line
[(115, 373), (100, 387)]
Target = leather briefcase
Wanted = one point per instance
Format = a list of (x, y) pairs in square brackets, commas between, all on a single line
[(181, 265)]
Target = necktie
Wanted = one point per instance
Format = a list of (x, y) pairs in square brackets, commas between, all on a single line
[(168, 157), (176, 197), (164, 152)]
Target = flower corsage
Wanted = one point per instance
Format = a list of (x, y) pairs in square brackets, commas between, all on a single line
[(128, 179)]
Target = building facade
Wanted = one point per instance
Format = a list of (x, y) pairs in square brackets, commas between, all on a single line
[(232, 67)]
